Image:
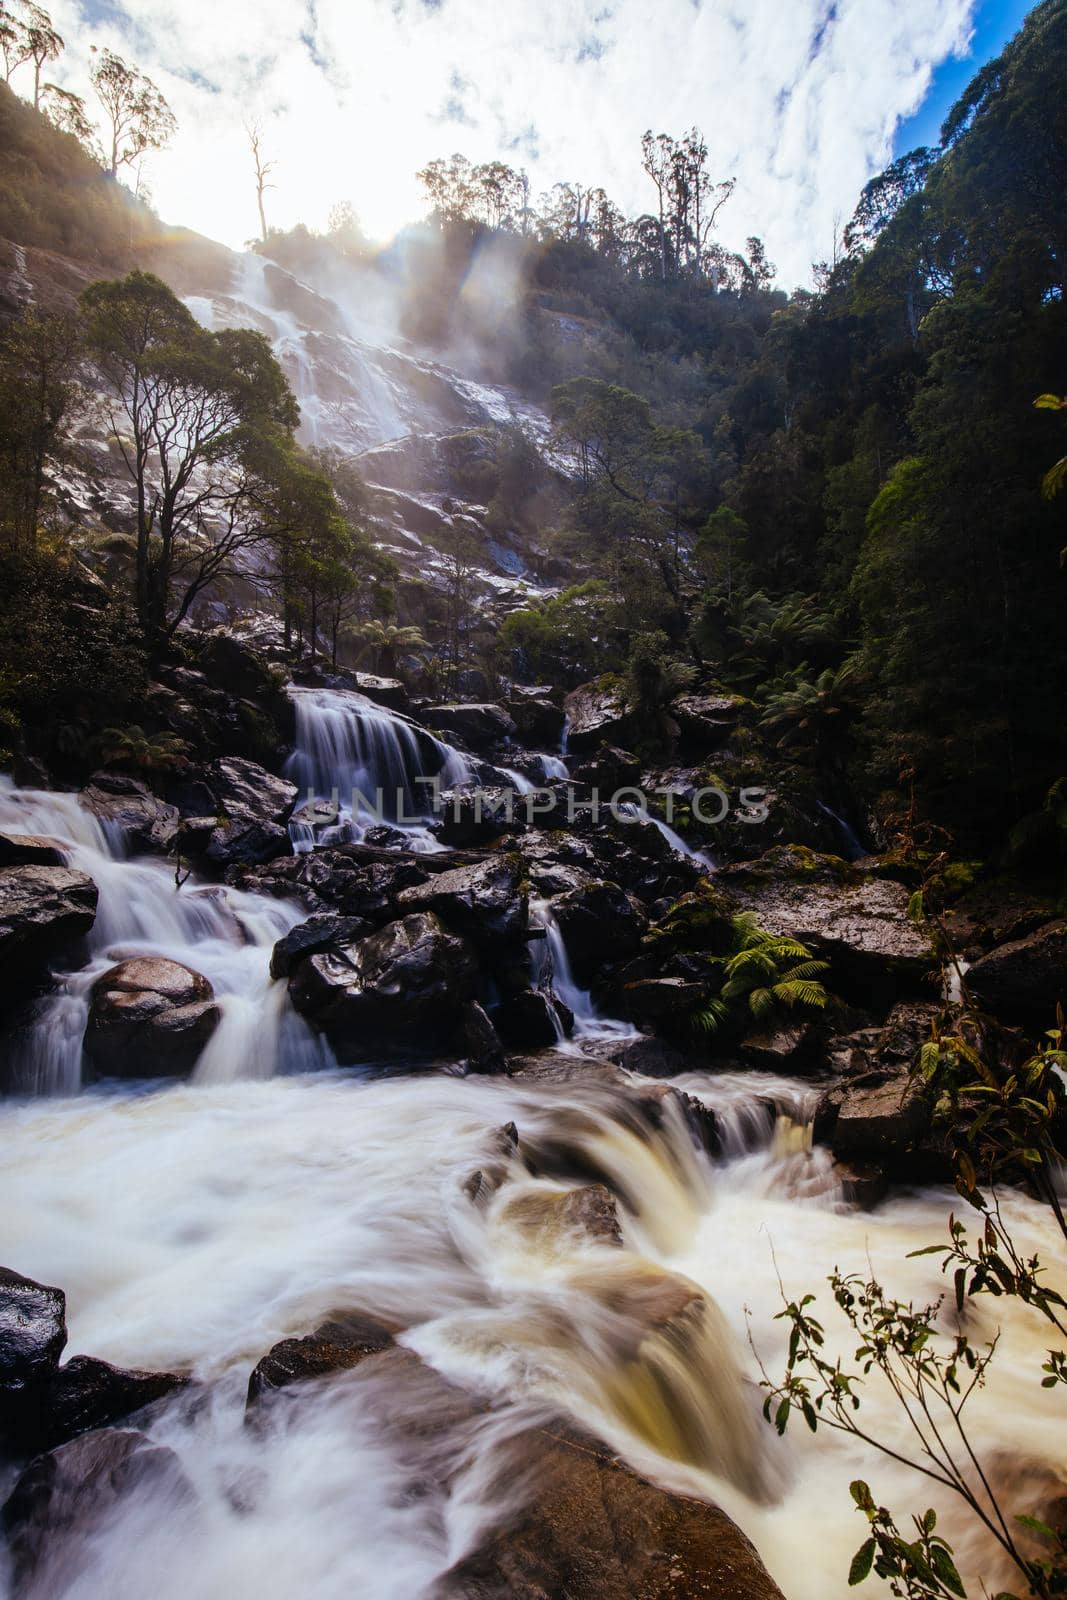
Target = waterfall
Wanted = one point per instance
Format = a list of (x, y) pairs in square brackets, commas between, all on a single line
[(677, 843), (551, 973), (853, 848), (195, 1236), (358, 764), (223, 933)]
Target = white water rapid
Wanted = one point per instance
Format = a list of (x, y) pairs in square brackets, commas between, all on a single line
[(194, 1227), (220, 932)]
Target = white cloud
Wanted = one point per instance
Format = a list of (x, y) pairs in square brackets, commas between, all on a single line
[(797, 98)]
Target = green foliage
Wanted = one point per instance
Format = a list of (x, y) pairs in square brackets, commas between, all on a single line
[(764, 974), (70, 657), (54, 195), (132, 747)]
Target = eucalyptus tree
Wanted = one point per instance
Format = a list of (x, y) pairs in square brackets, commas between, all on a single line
[(203, 422), (138, 118)]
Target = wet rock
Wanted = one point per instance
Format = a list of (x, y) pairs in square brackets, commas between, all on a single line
[(28, 850), (248, 841), (128, 806), (591, 1211), (608, 768), (864, 1184), (485, 901), (327, 930), (43, 910), (652, 1058), (149, 1017), (479, 1040), (339, 1344), (64, 1496), (400, 988), (591, 1527), (527, 1021), (657, 999), (785, 1047), (1025, 979), (388, 692), (479, 726), (355, 883), (858, 922), (86, 1393), (706, 721), (33, 1332), (600, 924), (879, 1116), (246, 791), (538, 721), (478, 816), (596, 715)]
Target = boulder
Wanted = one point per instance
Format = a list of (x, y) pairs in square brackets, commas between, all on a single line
[(235, 666), (33, 1332), (705, 721), (478, 816), (595, 715), (355, 883), (880, 1117), (785, 1047), (660, 999), (528, 1020), (43, 910), (402, 988), (63, 1496), (246, 841), (590, 1211), (855, 920), (1026, 978), (326, 930), (591, 1527), (608, 768), (600, 924), (477, 725), (486, 901), (479, 1040), (652, 1058), (86, 1393), (126, 806), (149, 1017), (538, 722), (251, 806), (30, 850), (339, 1344), (247, 792), (388, 692)]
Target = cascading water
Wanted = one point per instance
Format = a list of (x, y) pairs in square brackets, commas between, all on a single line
[(182, 1245), (223, 933), (639, 814), (357, 764), (551, 973)]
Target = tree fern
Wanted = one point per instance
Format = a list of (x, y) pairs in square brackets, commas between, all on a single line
[(765, 973)]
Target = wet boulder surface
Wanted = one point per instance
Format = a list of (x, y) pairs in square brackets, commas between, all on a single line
[(402, 987), (44, 910), (149, 1017)]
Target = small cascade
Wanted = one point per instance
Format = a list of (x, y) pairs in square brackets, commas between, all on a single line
[(853, 848), (223, 933), (554, 767), (675, 840), (551, 970), (358, 764)]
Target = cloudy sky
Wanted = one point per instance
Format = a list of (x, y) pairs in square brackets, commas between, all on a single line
[(799, 99)]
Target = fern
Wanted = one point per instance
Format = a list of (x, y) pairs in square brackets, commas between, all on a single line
[(764, 973)]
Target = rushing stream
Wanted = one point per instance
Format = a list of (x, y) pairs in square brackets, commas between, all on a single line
[(194, 1226)]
